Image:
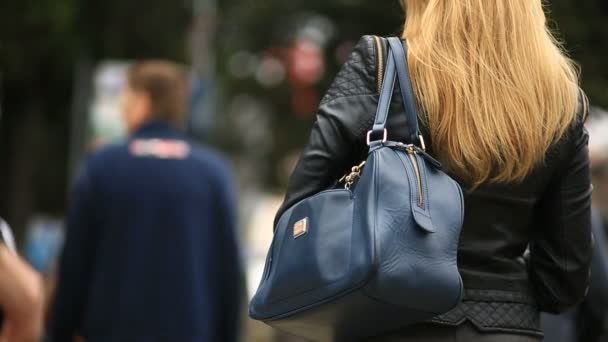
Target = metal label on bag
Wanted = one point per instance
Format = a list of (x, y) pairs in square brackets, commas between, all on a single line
[(300, 228)]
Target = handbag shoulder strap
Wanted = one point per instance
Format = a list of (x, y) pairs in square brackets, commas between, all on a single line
[(384, 104), (399, 52), (396, 68)]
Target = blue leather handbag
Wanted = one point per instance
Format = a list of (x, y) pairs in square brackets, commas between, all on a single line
[(355, 262)]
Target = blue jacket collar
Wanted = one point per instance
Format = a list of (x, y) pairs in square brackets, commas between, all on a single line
[(157, 128)]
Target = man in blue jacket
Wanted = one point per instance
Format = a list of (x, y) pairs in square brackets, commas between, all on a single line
[(150, 252)]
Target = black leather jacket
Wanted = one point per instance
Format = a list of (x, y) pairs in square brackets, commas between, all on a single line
[(548, 214)]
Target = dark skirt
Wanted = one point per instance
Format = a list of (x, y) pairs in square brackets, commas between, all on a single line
[(465, 332)]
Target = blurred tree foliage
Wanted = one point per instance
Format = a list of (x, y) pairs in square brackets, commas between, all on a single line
[(39, 45), (262, 27), (582, 26)]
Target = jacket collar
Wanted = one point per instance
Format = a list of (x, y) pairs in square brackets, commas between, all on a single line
[(157, 129)]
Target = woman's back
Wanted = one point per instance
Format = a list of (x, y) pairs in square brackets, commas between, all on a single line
[(518, 149)]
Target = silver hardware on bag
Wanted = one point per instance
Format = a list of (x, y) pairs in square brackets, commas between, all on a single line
[(349, 179), (300, 228), (422, 144), (384, 136)]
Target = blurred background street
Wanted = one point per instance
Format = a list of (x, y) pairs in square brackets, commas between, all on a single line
[(257, 71)]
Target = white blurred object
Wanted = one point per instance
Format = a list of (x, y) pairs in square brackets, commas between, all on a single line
[(106, 122), (597, 125), (271, 72), (263, 207), (7, 236)]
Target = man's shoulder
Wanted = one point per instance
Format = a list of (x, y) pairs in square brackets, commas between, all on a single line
[(96, 163), (202, 153), (106, 154), (210, 159)]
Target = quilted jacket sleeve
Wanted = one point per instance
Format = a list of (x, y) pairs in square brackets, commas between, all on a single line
[(335, 143), (560, 253)]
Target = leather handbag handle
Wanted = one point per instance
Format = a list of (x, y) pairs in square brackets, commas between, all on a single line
[(384, 103), (397, 61), (399, 52)]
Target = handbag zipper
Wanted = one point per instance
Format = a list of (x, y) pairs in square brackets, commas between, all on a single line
[(411, 152), (351, 178), (379, 62)]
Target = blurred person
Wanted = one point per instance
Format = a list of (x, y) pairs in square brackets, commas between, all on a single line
[(21, 294), (502, 110), (150, 252)]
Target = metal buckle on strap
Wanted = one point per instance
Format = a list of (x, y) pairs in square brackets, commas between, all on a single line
[(422, 144), (384, 136)]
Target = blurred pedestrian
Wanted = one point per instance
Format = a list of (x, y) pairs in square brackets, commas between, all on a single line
[(151, 250), (21, 294), (502, 110)]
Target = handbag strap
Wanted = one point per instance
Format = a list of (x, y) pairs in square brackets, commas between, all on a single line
[(397, 61), (399, 51), (384, 104)]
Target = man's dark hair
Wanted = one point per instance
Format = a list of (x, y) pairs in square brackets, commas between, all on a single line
[(165, 83)]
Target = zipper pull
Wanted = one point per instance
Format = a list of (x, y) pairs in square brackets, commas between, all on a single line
[(349, 179), (413, 149)]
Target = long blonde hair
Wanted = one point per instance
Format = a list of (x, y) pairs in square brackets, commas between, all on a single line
[(494, 84)]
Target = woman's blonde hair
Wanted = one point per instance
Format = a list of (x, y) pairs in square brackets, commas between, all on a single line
[(495, 86)]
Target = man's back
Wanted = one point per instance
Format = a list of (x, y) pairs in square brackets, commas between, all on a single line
[(151, 251)]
